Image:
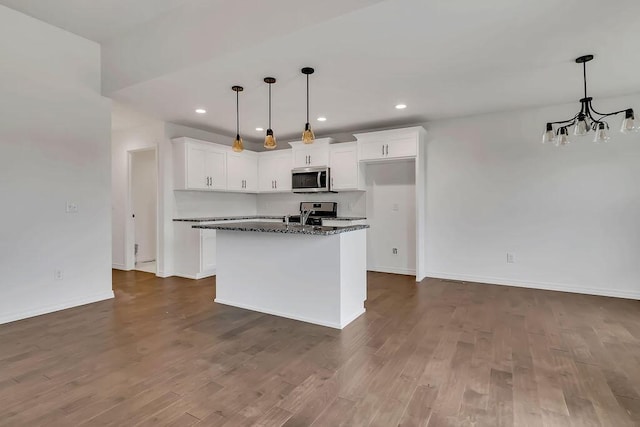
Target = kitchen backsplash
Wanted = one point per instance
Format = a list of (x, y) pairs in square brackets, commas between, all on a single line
[(194, 204), (349, 203)]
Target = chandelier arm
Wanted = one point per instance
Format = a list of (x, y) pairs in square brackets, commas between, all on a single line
[(606, 114), (570, 121)]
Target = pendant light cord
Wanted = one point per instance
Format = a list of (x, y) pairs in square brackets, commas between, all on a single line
[(584, 71), (238, 112), (307, 98), (269, 105)]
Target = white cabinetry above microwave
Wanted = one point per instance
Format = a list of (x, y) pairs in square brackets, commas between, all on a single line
[(199, 166), (311, 155)]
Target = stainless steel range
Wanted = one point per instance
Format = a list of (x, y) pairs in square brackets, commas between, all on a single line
[(314, 212)]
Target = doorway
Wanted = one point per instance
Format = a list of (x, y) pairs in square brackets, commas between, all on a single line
[(143, 203), (391, 214)]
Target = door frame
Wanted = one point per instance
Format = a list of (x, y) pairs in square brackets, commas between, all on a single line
[(129, 227)]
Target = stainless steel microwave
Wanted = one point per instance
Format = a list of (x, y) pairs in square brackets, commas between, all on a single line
[(311, 180)]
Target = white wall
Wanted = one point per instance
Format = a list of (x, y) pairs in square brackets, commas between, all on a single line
[(54, 145), (349, 203), (144, 200), (571, 216), (391, 214)]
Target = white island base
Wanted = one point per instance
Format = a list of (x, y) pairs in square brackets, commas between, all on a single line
[(315, 279)]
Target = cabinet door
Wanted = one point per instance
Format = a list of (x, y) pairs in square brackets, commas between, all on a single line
[(319, 156), (282, 174), (242, 172), (235, 174), (207, 251), (344, 166), (406, 147), (266, 173), (312, 156), (216, 169), (197, 173), (300, 158), (372, 150), (251, 174)]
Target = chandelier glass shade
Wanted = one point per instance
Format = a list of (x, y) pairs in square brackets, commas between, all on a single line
[(587, 119)]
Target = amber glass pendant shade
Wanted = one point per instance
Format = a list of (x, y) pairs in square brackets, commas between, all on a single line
[(270, 140), (237, 146), (307, 135)]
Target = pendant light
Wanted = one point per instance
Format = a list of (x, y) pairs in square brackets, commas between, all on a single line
[(237, 143), (587, 118), (307, 134), (270, 140)]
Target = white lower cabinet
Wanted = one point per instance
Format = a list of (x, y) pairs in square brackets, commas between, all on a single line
[(195, 251), (195, 248)]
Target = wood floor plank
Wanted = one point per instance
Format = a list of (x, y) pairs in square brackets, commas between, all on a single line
[(435, 353)]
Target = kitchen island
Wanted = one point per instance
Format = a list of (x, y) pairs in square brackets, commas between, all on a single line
[(314, 274)]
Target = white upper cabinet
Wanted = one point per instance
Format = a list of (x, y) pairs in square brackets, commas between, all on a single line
[(198, 165), (242, 171), (309, 155), (390, 144), (343, 161), (274, 171)]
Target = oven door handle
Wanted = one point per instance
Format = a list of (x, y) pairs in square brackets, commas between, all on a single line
[(319, 179)]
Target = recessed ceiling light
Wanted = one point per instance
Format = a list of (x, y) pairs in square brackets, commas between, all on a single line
[(201, 110), (322, 119), (401, 107), (259, 129)]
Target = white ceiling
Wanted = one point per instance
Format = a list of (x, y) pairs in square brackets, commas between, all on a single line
[(97, 20), (443, 58)]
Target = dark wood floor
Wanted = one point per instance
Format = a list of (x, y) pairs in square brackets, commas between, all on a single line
[(439, 353)]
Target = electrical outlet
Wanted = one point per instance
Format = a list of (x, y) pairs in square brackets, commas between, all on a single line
[(510, 258), (72, 207), (58, 275), (395, 207), (395, 251)]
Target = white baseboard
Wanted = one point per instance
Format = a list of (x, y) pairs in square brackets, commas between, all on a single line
[(76, 302), (120, 267), (548, 286), (393, 270), (353, 317), (288, 316), (196, 276)]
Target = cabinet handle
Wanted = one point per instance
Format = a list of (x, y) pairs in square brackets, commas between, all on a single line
[(387, 149), (276, 183), (331, 182), (383, 149)]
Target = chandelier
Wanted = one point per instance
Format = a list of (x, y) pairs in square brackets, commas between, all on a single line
[(587, 119)]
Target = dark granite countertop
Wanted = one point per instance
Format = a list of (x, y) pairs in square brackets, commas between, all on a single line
[(273, 227), (236, 218), (347, 218), (228, 218)]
